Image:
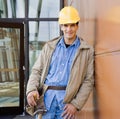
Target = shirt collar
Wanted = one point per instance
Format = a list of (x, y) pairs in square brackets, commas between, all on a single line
[(75, 43)]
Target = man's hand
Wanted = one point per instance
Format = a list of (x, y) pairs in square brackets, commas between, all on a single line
[(32, 97), (69, 111)]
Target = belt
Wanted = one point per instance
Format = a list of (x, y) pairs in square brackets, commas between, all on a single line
[(56, 88)]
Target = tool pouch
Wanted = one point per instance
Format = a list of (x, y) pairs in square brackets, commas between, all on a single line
[(40, 107)]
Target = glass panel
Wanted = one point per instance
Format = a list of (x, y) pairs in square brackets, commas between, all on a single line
[(44, 8), (9, 64), (39, 33), (12, 8)]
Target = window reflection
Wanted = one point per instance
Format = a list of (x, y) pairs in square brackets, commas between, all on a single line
[(37, 8), (44, 8), (12, 8), (39, 33), (9, 63)]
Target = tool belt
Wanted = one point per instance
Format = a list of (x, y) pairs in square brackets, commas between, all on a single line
[(40, 107), (56, 88)]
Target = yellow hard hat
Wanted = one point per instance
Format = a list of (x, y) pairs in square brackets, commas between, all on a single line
[(68, 15)]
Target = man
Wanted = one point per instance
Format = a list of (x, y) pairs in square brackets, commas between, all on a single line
[(65, 68)]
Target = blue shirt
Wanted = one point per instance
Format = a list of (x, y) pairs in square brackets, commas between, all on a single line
[(59, 71)]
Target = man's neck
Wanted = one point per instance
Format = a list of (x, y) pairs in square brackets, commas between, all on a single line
[(69, 41)]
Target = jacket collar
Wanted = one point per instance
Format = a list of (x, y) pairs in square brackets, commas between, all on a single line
[(83, 43)]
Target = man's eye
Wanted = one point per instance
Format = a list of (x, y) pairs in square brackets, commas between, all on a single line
[(65, 25), (72, 25)]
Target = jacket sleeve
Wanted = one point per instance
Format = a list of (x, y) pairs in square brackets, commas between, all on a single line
[(87, 84), (36, 72)]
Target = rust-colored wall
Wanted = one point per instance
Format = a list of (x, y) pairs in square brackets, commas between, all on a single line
[(108, 85), (107, 61)]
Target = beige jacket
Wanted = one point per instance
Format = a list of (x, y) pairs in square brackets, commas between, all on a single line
[(81, 77)]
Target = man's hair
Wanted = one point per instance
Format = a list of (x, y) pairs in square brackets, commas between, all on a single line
[(77, 23)]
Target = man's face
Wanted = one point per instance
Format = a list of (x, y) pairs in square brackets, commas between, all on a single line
[(69, 30)]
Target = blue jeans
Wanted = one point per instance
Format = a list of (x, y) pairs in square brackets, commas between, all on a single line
[(54, 112)]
